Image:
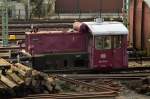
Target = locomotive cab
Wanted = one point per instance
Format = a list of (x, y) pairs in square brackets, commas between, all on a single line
[(108, 44)]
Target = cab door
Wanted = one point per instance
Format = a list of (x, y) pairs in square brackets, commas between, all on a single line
[(102, 52), (117, 51)]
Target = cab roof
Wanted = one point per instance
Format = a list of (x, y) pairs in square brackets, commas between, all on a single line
[(106, 28), (147, 2)]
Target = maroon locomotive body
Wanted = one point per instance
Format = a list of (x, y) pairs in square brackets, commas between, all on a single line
[(94, 45), (46, 42)]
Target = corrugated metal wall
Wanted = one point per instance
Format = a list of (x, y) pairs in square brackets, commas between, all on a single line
[(139, 25), (84, 6), (146, 28), (68, 6), (131, 21)]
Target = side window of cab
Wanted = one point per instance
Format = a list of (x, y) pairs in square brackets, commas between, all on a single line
[(99, 43), (117, 41), (103, 42)]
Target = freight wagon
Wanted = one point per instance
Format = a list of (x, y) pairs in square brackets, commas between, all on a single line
[(139, 25), (89, 6)]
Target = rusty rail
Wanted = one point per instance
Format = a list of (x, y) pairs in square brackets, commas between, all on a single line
[(101, 88), (108, 76), (88, 95)]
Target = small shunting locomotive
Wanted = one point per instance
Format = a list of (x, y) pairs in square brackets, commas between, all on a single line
[(94, 45)]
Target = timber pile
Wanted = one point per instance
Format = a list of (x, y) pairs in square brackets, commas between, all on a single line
[(21, 80), (18, 80)]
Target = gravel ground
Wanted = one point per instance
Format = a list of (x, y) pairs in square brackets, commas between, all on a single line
[(135, 64), (129, 94)]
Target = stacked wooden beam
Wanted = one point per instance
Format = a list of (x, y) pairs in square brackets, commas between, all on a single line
[(19, 80)]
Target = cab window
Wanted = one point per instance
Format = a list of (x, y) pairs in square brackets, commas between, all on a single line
[(117, 41), (103, 42)]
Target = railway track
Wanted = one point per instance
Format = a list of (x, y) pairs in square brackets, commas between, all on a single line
[(110, 92), (43, 25), (20, 29), (122, 76), (35, 21), (89, 95), (100, 88), (22, 24), (9, 48)]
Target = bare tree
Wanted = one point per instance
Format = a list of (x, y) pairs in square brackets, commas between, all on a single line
[(51, 7), (37, 6), (25, 2)]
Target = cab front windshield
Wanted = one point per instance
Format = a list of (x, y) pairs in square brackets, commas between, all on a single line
[(107, 42)]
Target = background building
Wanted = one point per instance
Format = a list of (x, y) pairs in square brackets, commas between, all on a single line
[(47, 8)]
